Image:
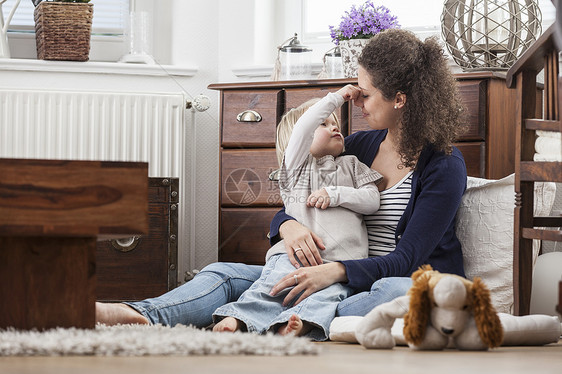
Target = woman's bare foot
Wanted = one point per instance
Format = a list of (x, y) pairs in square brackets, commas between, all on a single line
[(295, 326), (228, 324), (114, 314)]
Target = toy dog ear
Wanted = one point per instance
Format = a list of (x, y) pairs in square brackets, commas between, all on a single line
[(417, 318), (487, 321), (422, 270)]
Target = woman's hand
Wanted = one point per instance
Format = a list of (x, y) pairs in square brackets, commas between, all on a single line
[(309, 280), (318, 199), (349, 92), (301, 243)]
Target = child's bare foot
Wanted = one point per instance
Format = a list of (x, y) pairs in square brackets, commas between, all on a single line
[(113, 314), (228, 324), (295, 326)]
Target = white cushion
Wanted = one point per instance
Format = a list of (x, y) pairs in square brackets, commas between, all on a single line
[(534, 329), (484, 226)]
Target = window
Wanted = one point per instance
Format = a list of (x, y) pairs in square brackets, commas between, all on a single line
[(423, 18), (108, 29), (109, 16), (318, 16)]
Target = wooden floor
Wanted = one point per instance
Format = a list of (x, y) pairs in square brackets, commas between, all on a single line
[(334, 358)]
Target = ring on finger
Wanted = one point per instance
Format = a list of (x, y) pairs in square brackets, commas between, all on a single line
[(297, 249), (296, 278)]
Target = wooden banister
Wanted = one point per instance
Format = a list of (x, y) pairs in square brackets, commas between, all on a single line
[(542, 124), (533, 58)]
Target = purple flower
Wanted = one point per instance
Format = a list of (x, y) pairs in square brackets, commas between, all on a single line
[(363, 22)]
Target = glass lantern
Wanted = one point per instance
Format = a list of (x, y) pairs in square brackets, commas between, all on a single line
[(489, 34), (295, 60)]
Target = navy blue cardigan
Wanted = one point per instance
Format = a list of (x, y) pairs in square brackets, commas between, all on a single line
[(426, 232)]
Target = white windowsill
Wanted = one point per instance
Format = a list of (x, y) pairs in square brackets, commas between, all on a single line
[(264, 71), (91, 67)]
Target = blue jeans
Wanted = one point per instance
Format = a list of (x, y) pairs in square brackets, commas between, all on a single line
[(194, 302), (262, 313), (382, 291)]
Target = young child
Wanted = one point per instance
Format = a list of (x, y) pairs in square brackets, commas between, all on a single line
[(313, 178)]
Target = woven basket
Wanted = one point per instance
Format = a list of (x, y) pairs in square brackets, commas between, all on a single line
[(62, 30)]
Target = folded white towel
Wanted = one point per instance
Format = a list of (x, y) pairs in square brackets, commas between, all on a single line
[(548, 149), (548, 134)]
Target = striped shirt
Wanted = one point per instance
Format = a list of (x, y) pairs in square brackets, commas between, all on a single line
[(381, 226)]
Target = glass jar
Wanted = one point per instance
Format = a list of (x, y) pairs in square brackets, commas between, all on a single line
[(333, 63), (295, 60)]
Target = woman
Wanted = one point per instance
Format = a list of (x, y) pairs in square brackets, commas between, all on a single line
[(408, 97)]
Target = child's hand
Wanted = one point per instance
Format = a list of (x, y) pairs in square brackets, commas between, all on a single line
[(349, 92), (318, 199)]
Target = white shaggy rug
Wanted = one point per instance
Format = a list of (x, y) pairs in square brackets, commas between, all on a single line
[(145, 340)]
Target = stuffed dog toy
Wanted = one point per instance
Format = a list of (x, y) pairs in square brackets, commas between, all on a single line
[(439, 311)]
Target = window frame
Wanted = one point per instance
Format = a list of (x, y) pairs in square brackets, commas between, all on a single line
[(320, 42), (106, 44)]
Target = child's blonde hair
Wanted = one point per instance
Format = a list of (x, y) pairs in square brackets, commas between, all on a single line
[(288, 121)]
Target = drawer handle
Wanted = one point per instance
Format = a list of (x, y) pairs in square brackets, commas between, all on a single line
[(249, 116), (125, 245)]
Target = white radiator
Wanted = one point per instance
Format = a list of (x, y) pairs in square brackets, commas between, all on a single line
[(94, 126)]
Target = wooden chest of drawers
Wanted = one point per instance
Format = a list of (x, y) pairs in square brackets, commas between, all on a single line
[(141, 267), (250, 113)]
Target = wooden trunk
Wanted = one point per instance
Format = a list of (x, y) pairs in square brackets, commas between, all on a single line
[(145, 266)]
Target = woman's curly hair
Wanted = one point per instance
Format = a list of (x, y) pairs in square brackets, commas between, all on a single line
[(397, 61)]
